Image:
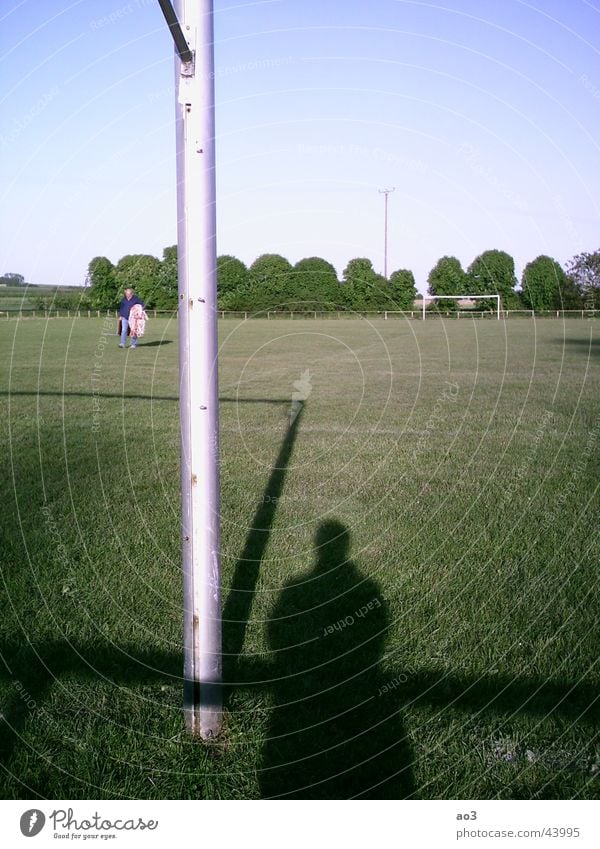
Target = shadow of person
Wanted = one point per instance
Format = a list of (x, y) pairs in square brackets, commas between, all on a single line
[(335, 730)]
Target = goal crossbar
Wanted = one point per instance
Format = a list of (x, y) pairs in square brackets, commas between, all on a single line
[(462, 298)]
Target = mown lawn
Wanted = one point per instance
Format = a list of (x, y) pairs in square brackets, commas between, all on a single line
[(410, 568)]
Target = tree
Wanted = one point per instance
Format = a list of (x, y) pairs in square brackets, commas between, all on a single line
[(363, 288), (140, 272), (584, 272), (232, 275), (448, 278), (12, 279), (570, 295), (269, 279), (101, 277), (403, 289), (165, 296), (493, 272), (542, 282), (315, 285)]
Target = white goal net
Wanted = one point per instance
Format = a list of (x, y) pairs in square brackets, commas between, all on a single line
[(429, 298)]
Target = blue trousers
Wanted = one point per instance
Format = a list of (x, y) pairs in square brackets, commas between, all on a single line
[(124, 327)]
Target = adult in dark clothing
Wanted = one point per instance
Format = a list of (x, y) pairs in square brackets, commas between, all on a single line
[(125, 306), (335, 729)]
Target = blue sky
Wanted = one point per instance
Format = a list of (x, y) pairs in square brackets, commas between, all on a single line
[(484, 116)]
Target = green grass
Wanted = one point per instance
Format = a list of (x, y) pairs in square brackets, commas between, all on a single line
[(441, 478)]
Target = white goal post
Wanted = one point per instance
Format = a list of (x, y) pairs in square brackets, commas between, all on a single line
[(462, 298)]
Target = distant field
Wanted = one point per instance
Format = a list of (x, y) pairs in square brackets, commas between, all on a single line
[(16, 297), (410, 596), (23, 297)]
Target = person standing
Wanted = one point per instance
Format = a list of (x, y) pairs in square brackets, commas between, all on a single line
[(125, 306)]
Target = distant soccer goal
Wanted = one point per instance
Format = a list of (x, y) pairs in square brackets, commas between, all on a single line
[(462, 298)]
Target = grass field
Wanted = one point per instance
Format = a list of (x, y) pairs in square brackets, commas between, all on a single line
[(410, 568)]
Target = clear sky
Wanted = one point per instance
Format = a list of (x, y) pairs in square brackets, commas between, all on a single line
[(484, 116)]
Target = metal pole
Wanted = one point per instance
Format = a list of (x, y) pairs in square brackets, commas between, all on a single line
[(198, 346), (385, 192), (385, 237)]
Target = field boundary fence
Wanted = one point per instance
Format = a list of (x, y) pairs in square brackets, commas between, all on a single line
[(299, 315)]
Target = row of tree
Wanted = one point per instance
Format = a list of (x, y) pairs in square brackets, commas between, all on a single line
[(270, 283), (544, 283), (273, 283)]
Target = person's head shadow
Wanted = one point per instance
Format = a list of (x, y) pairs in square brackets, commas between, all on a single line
[(332, 734), (332, 546)]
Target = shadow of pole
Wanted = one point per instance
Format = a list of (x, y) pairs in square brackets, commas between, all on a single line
[(30, 672), (236, 611), (34, 393), (34, 670)]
